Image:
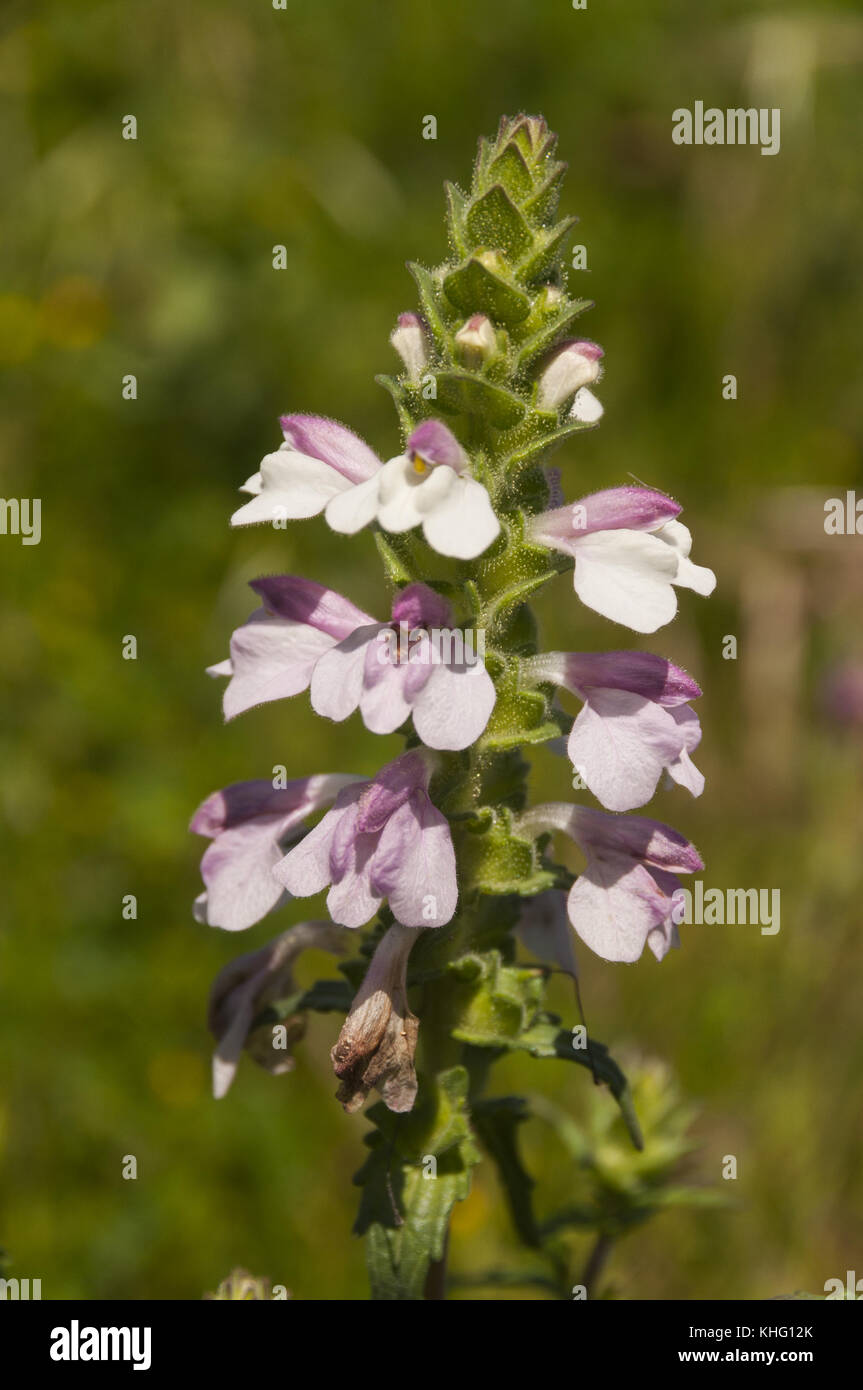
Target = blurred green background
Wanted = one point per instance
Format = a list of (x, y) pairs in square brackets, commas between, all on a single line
[(302, 127)]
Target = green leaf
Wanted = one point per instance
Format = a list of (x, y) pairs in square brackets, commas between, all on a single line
[(405, 1208), (545, 258), (498, 863), (494, 220), (463, 393), (429, 299), (510, 169), (456, 204), (497, 1003), (546, 1039), (535, 450), (400, 397), (475, 288), (496, 1122), (546, 336), (542, 205)]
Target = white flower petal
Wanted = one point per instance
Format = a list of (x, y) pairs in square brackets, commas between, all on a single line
[(627, 577), (463, 525), (621, 743), (354, 508), (586, 407), (454, 706), (337, 680), (293, 486)]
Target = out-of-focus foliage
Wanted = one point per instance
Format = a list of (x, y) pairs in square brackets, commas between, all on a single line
[(260, 127)]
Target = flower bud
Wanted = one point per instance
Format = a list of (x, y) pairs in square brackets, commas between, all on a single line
[(240, 1286), (378, 1041), (409, 340), (576, 364), (476, 340)]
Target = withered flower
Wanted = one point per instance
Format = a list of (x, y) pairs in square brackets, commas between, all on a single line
[(247, 985), (378, 1041)]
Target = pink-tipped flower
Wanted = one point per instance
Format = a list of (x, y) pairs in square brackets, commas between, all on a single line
[(246, 986), (429, 485), (415, 665), (635, 724), (476, 341), (274, 653), (576, 364), (249, 824), (629, 552), (409, 340), (318, 460), (623, 900), (382, 839)]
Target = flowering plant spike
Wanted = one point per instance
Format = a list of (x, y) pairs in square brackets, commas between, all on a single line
[(437, 870)]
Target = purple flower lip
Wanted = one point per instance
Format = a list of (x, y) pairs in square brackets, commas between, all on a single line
[(640, 673), (434, 444), (332, 443), (419, 606)]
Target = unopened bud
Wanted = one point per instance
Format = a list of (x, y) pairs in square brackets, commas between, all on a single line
[(476, 340), (577, 364), (409, 340)]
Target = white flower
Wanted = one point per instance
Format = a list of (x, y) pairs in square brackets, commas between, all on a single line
[(427, 486)]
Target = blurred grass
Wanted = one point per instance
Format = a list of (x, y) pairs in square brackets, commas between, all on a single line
[(259, 127)]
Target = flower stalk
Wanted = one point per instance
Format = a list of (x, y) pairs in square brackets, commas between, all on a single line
[(438, 858)]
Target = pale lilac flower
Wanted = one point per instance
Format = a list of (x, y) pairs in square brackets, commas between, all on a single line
[(623, 898), (318, 460), (243, 989), (274, 653), (429, 485), (635, 723), (382, 839), (410, 342), (629, 551), (576, 364), (249, 824), (309, 636), (378, 1041), (543, 929)]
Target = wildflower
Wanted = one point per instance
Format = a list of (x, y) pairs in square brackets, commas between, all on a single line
[(249, 823), (309, 636), (378, 1041), (629, 551), (318, 459), (623, 898), (382, 839), (575, 365), (429, 485), (635, 722), (409, 340), (244, 988), (476, 340)]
